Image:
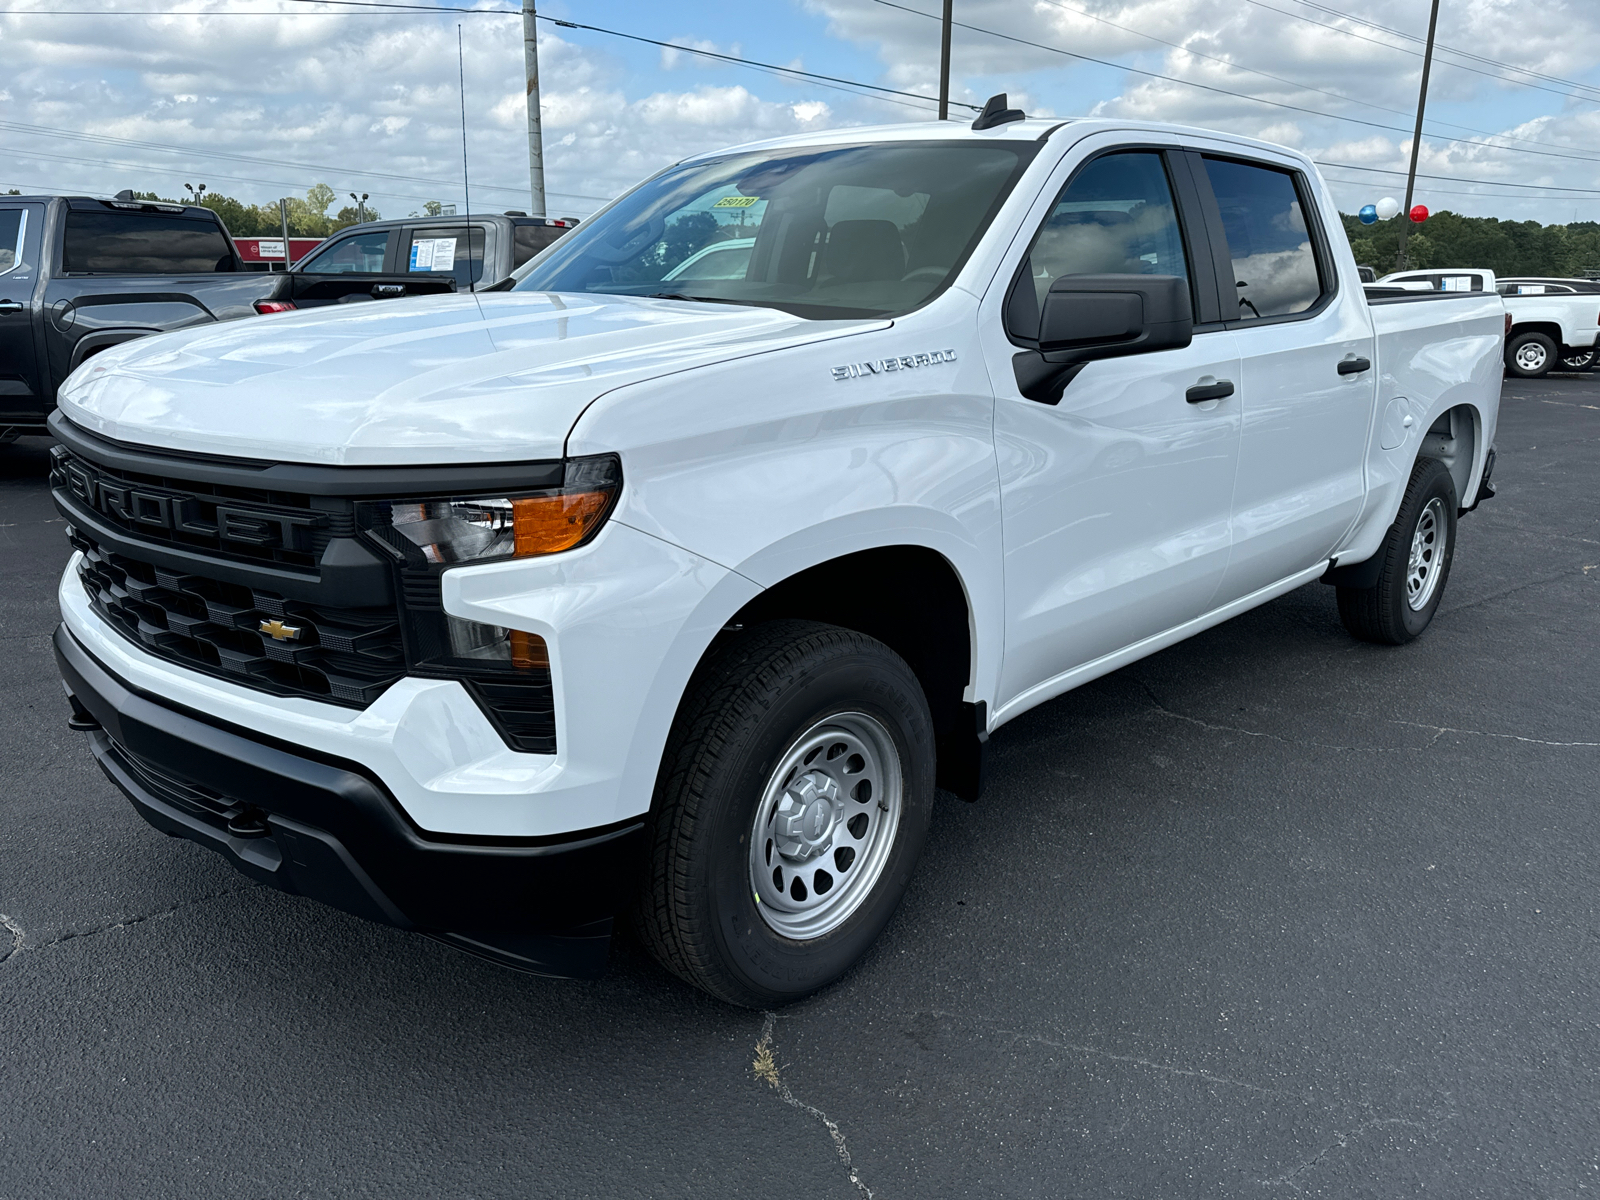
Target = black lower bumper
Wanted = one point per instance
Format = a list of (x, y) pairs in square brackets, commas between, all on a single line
[(326, 829)]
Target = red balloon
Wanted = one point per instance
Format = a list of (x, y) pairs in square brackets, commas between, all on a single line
[(1419, 213)]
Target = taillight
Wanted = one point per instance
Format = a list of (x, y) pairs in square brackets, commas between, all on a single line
[(1508, 325), (271, 306)]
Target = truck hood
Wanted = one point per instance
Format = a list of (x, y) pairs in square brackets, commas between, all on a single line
[(449, 379)]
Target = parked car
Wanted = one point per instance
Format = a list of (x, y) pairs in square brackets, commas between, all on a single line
[(615, 594), (1553, 321), (477, 251), (80, 275)]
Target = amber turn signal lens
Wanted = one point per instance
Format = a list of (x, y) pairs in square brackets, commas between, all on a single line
[(548, 524), (528, 651)]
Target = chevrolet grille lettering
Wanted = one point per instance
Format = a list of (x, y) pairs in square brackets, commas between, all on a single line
[(279, 632)]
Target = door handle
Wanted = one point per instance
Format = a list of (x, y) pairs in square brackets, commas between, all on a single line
[(1354, 366), (10, 306), (381, 290), (1201, 392)]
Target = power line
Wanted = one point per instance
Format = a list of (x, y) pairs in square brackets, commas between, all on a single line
[(1223, 91), (1411, 37), (1414, 54), (1283, 79), (1538, 187)]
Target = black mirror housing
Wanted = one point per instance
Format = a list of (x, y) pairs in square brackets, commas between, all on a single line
[(1107, 316), (1088, 317)]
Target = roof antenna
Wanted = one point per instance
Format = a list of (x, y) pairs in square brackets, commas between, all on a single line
[(466, 188), (995, 113)]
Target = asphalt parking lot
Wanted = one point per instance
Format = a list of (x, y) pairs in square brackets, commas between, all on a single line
[(1271, 913)]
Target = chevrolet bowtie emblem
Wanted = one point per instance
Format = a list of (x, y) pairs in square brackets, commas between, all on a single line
[(280, 632)]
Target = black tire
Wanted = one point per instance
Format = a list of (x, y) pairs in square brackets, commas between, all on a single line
[(1383, 613), (1530, 355), (756, 694)]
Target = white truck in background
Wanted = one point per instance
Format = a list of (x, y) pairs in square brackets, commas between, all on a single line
[(636, 592), (1554, 322)]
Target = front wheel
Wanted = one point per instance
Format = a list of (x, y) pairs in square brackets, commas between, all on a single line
[(1530, 355), (793, 802), (1416, 555)]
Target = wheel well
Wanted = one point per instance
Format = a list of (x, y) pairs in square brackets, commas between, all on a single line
[(1549, 328), (911, 599), (1453, 440)]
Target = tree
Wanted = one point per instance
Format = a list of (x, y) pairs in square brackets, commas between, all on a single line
[(431, 209)]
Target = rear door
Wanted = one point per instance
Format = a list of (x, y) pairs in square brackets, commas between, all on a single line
[(22, 391), (1308, 385), (358, 266)]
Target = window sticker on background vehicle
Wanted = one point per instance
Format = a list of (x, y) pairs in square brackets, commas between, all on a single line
[(433, 254)]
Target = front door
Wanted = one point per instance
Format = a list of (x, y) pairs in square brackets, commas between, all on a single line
[(1115, 499), (1308, 384), (24, 398)]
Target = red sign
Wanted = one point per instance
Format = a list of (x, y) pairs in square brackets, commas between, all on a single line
[(270, 249)]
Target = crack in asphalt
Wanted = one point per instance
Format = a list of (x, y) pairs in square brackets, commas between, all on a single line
[(16, 937), (765, 1067), (128, 922), (1340, 1141), (1440, 730)]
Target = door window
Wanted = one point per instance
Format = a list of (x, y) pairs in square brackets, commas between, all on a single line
[(530, 239), (127, 243), (1115, 216), (446, 250), (1274, 263), (13, 227), (361, 254)]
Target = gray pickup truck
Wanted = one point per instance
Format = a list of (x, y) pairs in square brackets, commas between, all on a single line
[(79, 275)]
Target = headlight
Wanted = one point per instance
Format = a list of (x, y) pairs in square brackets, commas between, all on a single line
[(475, 528)]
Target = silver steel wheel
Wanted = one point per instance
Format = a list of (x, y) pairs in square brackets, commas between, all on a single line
[(1427, 555), (1531, 356), (825, 825)]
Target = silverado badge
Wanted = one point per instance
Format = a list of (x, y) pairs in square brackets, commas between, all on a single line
[(278, 631)]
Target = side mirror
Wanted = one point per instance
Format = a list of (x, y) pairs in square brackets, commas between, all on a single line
[(1087, 317)]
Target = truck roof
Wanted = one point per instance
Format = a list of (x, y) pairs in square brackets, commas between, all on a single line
[(95, 202), (1029, 129)]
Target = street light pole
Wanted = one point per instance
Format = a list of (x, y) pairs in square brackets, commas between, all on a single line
[(1416, 140), (361, 207), (944, 65), (530, 56)]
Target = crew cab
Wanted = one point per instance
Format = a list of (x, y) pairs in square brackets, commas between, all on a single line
[(80, 275), (614, 594)]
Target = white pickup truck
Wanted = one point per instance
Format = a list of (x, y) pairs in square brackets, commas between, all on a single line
[(618, 594)]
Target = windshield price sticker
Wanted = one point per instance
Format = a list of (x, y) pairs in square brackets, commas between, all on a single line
[(737, 202), (882, 366), (433, 254)]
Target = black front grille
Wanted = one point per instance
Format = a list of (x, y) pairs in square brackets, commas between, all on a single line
[(241, 523), (343, 656)]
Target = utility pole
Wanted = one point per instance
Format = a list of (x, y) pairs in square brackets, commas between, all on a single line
[(283, 216), (944, 64), (1416, 140), (530, 56)]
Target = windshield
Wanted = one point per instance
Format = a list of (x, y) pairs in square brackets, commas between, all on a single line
[(859, 231)]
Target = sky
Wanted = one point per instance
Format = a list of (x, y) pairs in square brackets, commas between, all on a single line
[(264, 98)]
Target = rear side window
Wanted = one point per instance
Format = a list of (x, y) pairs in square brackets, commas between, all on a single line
[(127, 243), (361, 254), (446, 250), (1274, 262), (530, 239), (13, 224)]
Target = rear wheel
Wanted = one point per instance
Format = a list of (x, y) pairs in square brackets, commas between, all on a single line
[(1416, 555), (1530, 355), (793, 802), (1578, 360)]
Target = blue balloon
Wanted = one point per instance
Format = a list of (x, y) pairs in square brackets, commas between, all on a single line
[(1368, 214)]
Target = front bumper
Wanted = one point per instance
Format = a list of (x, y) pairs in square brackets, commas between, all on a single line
[(327, 829)]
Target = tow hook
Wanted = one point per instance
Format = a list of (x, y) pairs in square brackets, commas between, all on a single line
[(81, 720)]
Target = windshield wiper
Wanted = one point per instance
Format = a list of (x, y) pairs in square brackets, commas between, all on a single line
[(701, 299)]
